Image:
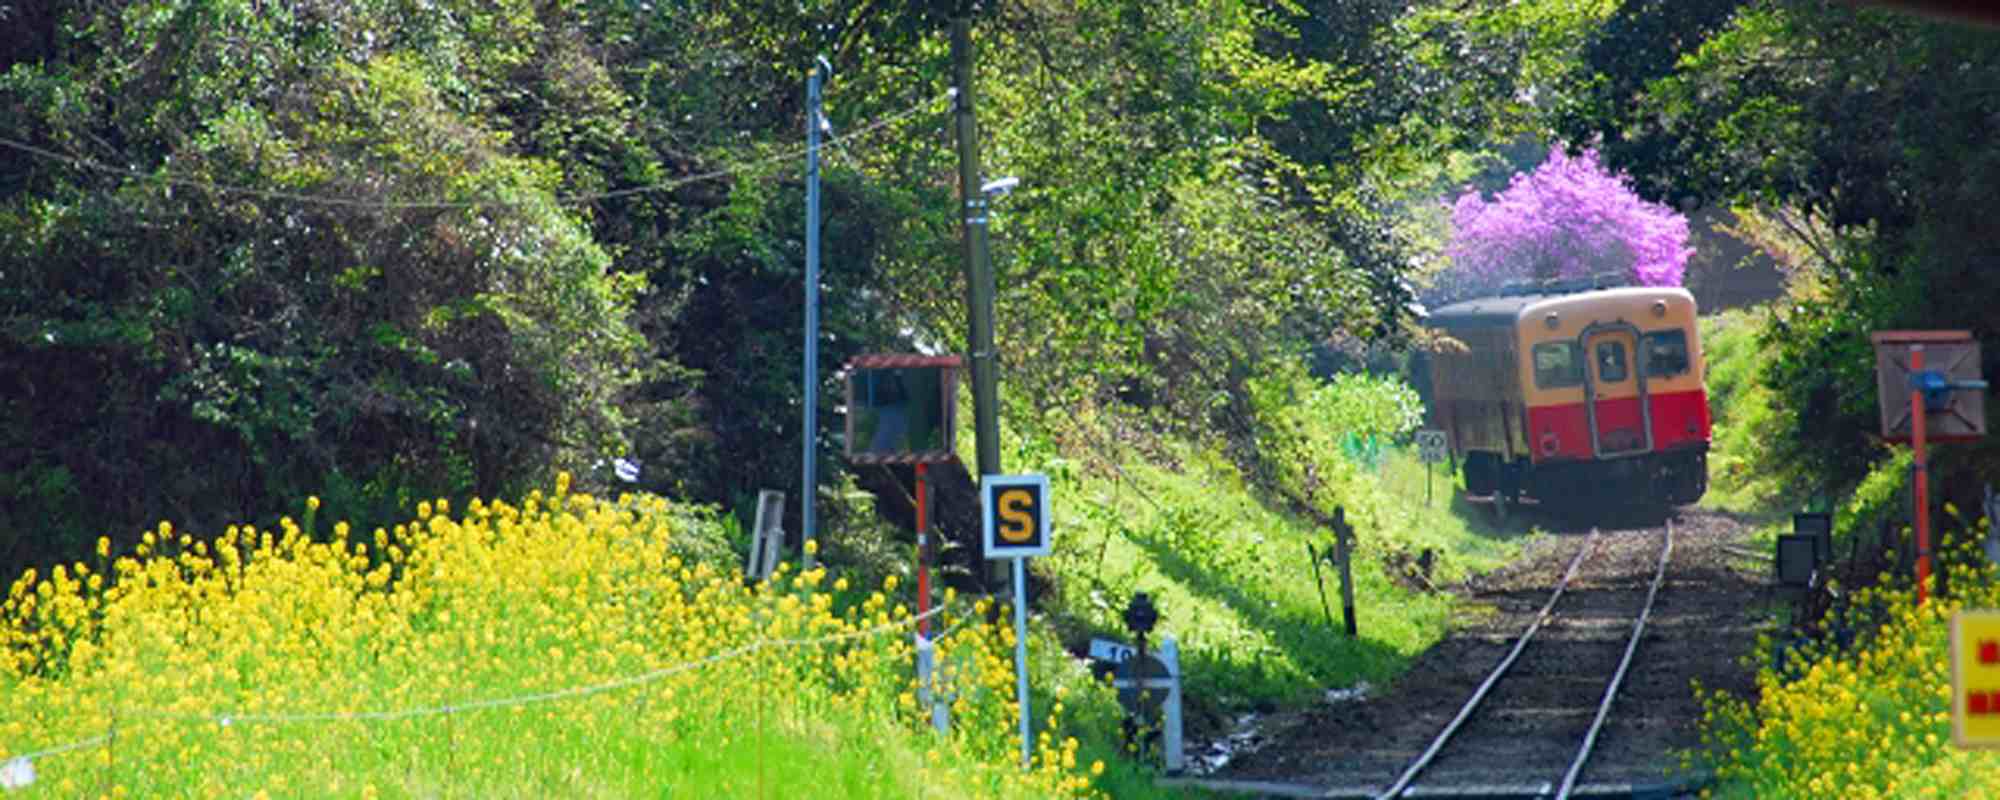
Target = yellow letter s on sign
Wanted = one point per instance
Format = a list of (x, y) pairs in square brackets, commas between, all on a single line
[(1017, 522)]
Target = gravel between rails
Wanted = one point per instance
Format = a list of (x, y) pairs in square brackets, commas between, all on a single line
[(1529, 728)]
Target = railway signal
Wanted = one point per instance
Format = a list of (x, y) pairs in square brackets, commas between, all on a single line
[(1929, 389)]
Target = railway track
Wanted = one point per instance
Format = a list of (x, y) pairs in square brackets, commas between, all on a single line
[(1526, 734), (1597, 654)]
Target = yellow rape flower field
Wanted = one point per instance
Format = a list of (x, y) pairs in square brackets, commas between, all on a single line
[(557, 648), (1872, 721)]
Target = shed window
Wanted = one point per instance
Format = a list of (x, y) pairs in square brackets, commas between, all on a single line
[(1557, 364), (1666, 353)]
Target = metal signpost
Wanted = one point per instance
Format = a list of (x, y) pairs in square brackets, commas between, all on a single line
[(1430, 449), (902, 408), (1014, 510), (1930, 390)]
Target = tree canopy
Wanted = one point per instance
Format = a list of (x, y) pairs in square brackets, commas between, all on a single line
[(387, 249)]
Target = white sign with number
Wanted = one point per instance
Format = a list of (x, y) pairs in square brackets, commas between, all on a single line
[(1430, 445)]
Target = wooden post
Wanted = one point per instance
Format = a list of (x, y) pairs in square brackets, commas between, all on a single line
[(1344, 548)]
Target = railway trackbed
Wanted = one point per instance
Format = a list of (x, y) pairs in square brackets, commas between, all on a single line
[(1582, 656), (1582, 690)]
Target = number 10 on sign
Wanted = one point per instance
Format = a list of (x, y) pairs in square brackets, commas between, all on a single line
[(1015, 514)]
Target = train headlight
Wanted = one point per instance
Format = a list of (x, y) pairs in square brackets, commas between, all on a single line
[(1659, 308), (1550, 443), (1552, 320)]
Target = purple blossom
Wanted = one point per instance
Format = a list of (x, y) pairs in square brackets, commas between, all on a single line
[(1567, 219)]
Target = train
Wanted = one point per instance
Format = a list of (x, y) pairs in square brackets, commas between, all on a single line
[(1574, 397)]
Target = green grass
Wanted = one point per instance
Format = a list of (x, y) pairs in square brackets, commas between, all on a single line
[(1229, 570)]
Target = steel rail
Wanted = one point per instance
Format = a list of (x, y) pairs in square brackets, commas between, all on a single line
[(1410, 774), (1618, 678)]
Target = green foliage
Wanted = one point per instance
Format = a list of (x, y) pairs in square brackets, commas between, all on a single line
[(193, 351), (1849, 137), (1233, 578), (1744, 472)]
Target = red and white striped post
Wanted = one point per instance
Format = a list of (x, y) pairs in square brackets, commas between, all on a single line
[(1920, 475)]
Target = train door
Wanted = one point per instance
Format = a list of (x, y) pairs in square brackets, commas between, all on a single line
[(1614, 394)]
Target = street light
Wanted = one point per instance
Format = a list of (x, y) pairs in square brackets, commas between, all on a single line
[(999, 186)]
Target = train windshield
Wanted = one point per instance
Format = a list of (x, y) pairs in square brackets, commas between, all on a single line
[(1557, 364), (1666, 353)]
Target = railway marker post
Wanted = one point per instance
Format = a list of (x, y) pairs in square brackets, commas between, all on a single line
[(1343, 547), (1014, 510), (1430, 449)]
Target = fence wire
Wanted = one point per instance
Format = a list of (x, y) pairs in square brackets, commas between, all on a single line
[(18, 770)]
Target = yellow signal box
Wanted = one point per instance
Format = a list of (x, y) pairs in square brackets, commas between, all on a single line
[(1975, 678)]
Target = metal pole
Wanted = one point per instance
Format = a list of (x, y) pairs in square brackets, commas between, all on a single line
[(978, 268), (923, 550), (1021, 651), (809, 431), (1921, 477)]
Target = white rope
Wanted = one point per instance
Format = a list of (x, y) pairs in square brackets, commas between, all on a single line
[(411, 205), (650, 676)]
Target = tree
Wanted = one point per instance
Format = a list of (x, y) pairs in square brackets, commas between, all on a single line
[(1568, 219), (1861, 140)]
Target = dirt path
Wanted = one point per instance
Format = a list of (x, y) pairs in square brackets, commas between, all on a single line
[(1530, 726)]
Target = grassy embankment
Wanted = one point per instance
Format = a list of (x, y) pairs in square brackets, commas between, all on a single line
[(564, 647), (1225, 557), (209, 665), (1864, 713)]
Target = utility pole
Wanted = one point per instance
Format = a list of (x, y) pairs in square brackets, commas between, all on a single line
[(809, 432), (978, 267)]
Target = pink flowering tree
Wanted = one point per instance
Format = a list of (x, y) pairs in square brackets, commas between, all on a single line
[(1569, 219)]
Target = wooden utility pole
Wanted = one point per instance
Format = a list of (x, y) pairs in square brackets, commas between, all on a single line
[(978, 267)]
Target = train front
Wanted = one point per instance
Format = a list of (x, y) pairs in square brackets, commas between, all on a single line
[(1614, 398)]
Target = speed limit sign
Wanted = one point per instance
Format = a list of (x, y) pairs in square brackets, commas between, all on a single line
[(1430, 445)]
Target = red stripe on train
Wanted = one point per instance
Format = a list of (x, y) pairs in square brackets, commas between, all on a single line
[(1562, 431)]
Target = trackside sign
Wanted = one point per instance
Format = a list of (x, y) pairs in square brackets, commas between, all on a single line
[(1016, 513)]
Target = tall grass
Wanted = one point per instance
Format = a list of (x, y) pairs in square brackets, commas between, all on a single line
[(1224, 553), (561, 647)]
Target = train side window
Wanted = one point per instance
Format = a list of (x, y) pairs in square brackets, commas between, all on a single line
[(1666, 353), (1557, 364)]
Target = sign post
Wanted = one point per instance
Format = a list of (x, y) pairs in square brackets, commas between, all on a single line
[(1930, 390), (1015, 514), (1430, 448)]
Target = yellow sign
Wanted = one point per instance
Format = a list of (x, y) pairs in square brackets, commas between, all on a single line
[(1016, 515), (1975, 678)]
